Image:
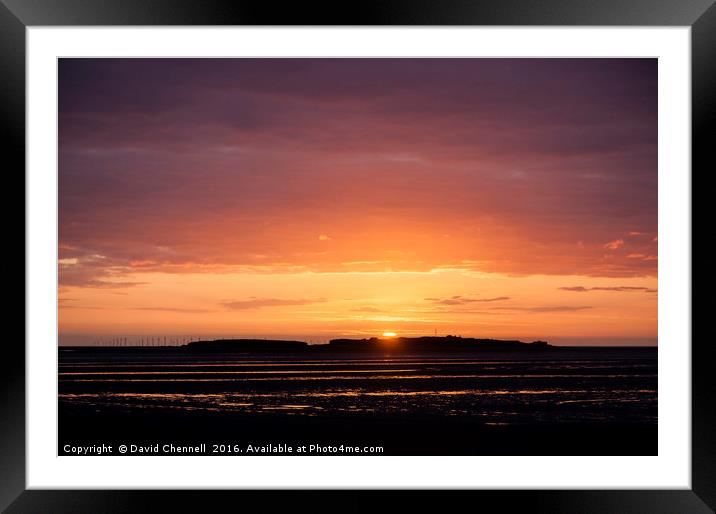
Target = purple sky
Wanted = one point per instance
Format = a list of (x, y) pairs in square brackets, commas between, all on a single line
[(215, 161)]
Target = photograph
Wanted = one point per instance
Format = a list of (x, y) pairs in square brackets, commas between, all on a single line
[(357, 256)]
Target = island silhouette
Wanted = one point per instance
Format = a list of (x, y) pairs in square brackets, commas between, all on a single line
[(382, 345)]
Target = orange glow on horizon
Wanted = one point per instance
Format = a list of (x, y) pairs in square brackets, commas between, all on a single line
[(321, 306)]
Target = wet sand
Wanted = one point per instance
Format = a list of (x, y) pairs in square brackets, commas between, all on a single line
[(565, 402)]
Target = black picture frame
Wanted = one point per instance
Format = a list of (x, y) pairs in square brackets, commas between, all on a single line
[(17, 15)]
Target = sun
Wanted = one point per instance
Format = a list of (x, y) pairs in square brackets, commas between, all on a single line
[(389, 334)]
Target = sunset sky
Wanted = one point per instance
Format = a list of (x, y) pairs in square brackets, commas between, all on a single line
[(317, 198)]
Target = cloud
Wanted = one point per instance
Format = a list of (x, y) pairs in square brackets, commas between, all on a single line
[(367, 308), (258, 303), (547, 308), (173, 309), (642, 257), (81, 307), (461, 300), (614, 245), (503, 310), (105, 284), (87, 268), (623, 289)]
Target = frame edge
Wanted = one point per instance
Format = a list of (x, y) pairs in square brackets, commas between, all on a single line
[(371, 12), (703, 123), (12, 69), (12, 119)]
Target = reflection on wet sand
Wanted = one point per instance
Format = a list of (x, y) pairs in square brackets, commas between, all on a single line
[(498, 391)]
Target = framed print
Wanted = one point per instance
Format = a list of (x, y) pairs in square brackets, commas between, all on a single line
[(437, 247)]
